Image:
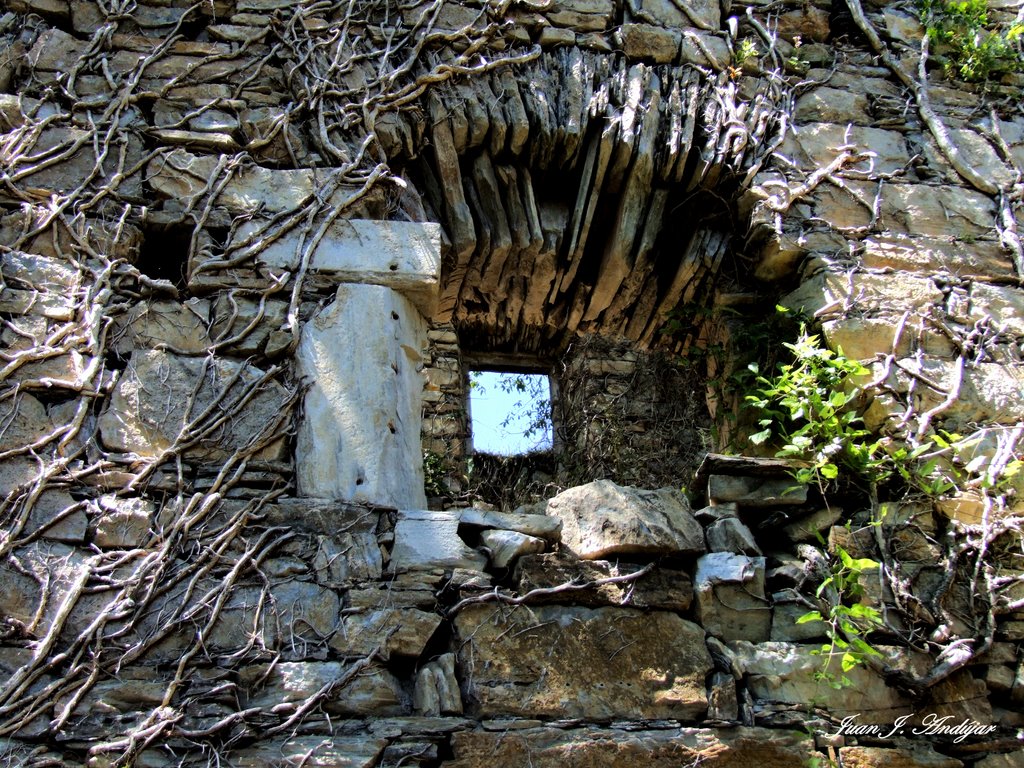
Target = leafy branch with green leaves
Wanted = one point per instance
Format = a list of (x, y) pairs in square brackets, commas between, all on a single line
[(848, 620), (973, 47)]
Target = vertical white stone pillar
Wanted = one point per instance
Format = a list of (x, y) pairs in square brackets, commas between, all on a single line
[(359, 433)]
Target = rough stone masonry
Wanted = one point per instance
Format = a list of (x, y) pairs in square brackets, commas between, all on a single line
[(244, 245)]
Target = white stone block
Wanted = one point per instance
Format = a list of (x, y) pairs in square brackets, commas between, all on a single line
[(402, 255), (359, 439)]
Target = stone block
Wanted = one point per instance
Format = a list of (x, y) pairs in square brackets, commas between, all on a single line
[(731, 603), (815, 524), (24, 420), (705, 14), (371, 692), (828, 293), (82, 162), (162, 399), (311, 751), (662, 588), (756, 492), (975, 151), (648, 42), (864, 338), (402, 255), (302, 615), (722, 701), (602, 518), (55, 514), (787, 673), (430, 540), (541, 526), (592, 747), (981, 258), (731, 535), (246, 325), (703, 50), (568, 662), (832, 105), (507, 546), (398, 632), (815, 145), (176, 327), (1003, 304), (360, 438), (23, 336), (437, 690), (918, 756), (179, 177), (37, 579), (936, 211), (988, 392), (784, 626), (122, 523)]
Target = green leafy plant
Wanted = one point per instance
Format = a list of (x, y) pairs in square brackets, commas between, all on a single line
[(848, 621), (746, 50), (433, 474), (976, 49), (808, 407)]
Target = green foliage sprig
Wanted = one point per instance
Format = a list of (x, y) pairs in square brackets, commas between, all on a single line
[(977, 49), (808, 407), (848, 620)]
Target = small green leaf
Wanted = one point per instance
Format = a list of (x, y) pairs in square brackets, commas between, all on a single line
[(809, 617), (760, 437)]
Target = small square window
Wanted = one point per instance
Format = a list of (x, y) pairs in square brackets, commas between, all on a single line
[(510, 412)]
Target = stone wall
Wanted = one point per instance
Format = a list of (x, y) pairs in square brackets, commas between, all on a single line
[(244, 245)]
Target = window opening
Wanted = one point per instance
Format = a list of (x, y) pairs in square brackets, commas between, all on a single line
[(510, 412)]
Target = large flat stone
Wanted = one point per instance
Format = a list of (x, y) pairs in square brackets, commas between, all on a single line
[(311, 751), (181, 177), (602, 518), (756, 491), (597, 664), (177, 327), (592, 747), (829, 293), (359, 439), (541, 526), (159, 394), (24, 420), (989, 392), (401, 632), (815, 145), (82, 163), (373, 691), (705, 14), (787, 673), (402, 255)]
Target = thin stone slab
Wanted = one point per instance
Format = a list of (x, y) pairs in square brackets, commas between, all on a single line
[(402, 255), (593, 747), (541, 526), (756, 491)]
